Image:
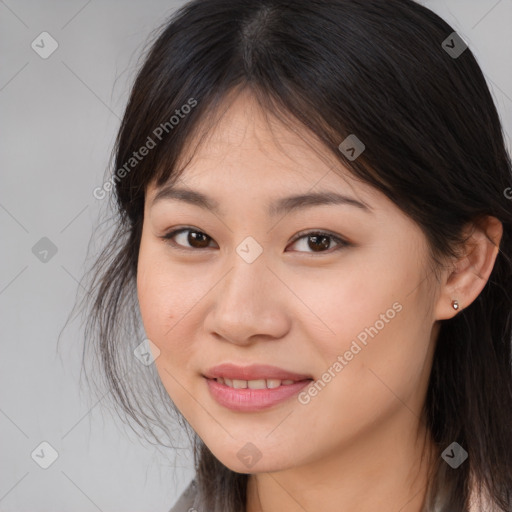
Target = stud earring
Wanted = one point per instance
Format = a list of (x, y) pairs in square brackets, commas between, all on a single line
[(455, 304)]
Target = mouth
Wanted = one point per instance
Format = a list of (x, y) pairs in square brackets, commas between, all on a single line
[(254, 384), (253, 373), (253, 388)]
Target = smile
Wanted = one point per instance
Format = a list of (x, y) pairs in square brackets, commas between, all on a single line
[(254, 384)]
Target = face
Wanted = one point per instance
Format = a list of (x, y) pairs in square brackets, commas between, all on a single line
[(336, 297)]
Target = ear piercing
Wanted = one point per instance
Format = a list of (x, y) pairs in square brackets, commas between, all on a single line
[(455, 304)]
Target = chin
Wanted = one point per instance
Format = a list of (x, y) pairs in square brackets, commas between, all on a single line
[(249, 457), (261, 466)]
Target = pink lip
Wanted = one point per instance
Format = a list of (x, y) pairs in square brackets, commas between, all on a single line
[(248, 400), (252, 372), (253, 399)]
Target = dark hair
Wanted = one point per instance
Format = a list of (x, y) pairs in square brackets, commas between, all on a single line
[(434, 146)]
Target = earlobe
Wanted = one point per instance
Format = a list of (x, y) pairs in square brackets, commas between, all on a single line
[(471, 271)]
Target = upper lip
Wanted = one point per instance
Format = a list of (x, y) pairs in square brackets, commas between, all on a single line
[(252, 372)]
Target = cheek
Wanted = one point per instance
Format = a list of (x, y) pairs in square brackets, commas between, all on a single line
[(345, 303), (160, 301), (170, 297), (375, 318), (155, 302), (164, 315)]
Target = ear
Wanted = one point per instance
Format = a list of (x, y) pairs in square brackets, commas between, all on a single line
[(467, 277)]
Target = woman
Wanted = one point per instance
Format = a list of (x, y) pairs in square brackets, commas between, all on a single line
[(315, 228)]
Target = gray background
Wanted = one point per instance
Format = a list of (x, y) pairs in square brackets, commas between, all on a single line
[(58, 122)]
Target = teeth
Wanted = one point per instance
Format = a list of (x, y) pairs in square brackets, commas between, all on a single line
[(273, 383), (239, 384), (257, 384), (254, 384)]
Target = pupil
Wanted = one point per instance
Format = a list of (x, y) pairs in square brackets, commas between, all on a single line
[(194, 236), (324, 244)]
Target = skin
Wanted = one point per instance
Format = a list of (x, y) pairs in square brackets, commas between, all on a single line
[(357, 444)]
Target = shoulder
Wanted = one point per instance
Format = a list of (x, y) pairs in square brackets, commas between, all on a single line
[(186, 501)]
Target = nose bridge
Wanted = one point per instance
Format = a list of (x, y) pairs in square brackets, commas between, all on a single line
[(245, 302), (243, 289)]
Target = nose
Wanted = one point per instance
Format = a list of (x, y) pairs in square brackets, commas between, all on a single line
[(249, 304)]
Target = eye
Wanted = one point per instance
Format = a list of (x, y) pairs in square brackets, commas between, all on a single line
[(318, 241), (196, 239)]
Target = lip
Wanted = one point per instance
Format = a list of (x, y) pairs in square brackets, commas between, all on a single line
[(251, 400), (253, 372)]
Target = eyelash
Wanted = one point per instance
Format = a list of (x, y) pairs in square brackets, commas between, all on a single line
[(303, 234)]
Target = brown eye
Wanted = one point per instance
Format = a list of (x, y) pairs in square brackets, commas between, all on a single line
[(195, 239), (320, 241)]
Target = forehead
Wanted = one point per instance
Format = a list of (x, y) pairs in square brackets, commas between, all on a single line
[(246, 147), (245, 131)]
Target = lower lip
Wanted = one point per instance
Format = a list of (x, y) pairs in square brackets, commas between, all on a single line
[(248, 400)]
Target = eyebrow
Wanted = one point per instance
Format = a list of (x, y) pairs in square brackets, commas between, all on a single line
[(277, 207)]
